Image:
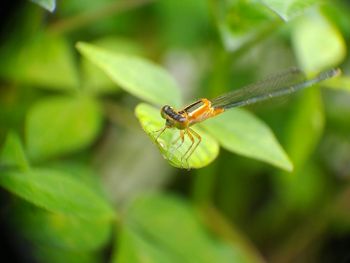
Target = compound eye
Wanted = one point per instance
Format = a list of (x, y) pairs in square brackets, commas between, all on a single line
[(164, 110)]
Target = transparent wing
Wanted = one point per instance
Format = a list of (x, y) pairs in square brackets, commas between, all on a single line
[(281, 84)]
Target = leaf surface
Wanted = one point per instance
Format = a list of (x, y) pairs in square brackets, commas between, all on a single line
[(135, 75), (241, 132), (61, 125), (58, 193), (151, 122), (290, 8), (151, 236), (49, 5), (317, 43)]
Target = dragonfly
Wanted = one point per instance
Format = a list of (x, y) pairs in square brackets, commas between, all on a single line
[(277, 85)]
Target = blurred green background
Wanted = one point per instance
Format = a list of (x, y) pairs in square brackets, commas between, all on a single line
[(82, 182)]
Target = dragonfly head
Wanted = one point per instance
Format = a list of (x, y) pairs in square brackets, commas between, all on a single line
[(173, 119)]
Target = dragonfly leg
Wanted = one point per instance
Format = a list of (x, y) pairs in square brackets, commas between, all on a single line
[(189, 134), (182, 137), (160, 132), (196, 145)]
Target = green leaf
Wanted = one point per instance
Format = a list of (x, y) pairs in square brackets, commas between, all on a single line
[(94, 79), (67, 232), (81, 171), (58, 193), (151, 121), (58, 230), (241, 132), (44, 60), (47, 4), (317, 43), (61, 125), (62, 231), (289, 9), (137, 76), (134, 248), (243, 22), (12, 153), (162, 237)]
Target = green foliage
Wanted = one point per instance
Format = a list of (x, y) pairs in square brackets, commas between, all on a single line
[(307, 119), (242, 22), (289, 9), (318, 44), (185, 29), (61, 231), (146, 232), (38, 62), (233, 136), (94, 79), (56, 192), (55, 255), (77, 166), (13, 153), (248, 136), (134, 248), (47, 4), (80, 116), (153, 85)]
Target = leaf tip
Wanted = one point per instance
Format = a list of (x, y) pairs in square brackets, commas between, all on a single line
[(52, 7), (49, 5), (287, 165), (79, 45)]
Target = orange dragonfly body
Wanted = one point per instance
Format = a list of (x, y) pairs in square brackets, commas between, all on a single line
[(278, 85)]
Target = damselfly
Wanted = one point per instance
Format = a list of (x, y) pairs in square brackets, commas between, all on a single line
[(281, 84)]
